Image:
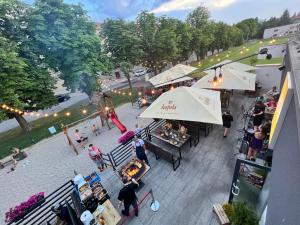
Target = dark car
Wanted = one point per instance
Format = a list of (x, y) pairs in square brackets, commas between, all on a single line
[(62, 97)]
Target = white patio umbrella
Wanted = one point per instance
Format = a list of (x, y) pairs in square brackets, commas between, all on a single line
[(231, 79), (188, 104), (236, 66), (169, 76)]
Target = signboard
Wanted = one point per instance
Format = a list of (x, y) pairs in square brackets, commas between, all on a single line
[(52, 130), (281, 110)]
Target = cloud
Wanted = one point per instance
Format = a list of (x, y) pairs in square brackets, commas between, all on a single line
[(179, 5)]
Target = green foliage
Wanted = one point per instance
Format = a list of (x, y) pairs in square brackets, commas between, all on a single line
[(253, 60), (122, 41), (242, 215), (198, 18), (25, 81), (228, 208), (249, 27), (65, 35)]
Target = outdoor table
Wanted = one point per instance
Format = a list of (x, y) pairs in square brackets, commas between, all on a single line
[(110, 214), (180, 142), (269, 114)]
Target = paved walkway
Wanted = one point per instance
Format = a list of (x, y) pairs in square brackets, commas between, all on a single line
[(186, 195)]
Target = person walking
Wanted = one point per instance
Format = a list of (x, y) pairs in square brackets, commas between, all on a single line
[(97, 157), (128, 197), (139, 146), (227, 119)]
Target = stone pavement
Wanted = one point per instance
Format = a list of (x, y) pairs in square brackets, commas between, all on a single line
[(186, 195)]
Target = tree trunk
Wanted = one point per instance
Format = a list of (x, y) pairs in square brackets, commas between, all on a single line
[(23, 123), (130, 87)]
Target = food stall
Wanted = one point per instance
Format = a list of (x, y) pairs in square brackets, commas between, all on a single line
[(91, 201)]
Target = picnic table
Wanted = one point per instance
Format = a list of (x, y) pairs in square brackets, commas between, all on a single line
[(177, 142)]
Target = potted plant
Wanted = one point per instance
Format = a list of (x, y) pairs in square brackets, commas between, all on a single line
[(19, 211), (126, 137), (242, 215)]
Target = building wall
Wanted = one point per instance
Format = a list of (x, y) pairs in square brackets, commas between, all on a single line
[(280, 31), (284, 197), (268, 75)]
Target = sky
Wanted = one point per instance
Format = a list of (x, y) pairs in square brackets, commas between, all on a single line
[(229, 11)]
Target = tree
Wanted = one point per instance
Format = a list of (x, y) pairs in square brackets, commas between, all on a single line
[(198, 18), (158, 40), (27, 83), (184, 37), (285, 18), (126, 68), (249, 27), (66, 37), (201, 31)]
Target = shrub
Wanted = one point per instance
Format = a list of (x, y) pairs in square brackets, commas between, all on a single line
[(242, 215)]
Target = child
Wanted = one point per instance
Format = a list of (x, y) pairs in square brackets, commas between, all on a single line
[(95, 130)]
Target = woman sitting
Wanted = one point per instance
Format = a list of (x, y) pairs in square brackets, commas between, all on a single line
[(182, 130), (271, 104)]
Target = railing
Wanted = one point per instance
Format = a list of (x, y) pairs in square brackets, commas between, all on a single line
[(123, 152), (43, 214)]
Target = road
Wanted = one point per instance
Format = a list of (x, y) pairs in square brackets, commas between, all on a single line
[(75, 98)]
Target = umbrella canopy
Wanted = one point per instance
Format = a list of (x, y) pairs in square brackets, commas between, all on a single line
[(188, 104), (169, 76), (236, 66), (232, 79)]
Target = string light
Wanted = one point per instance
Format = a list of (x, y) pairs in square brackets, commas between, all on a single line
[(84, 111), (227, 55), (241, 52), (38, 114), (68, 113), (106, 108), (172, 88), (215, 80), (46, 115), (140, 93), (129, 94), (55, 114), (261, 42)]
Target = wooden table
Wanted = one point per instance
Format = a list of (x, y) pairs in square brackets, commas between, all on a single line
[(180, 142), (109, 214)]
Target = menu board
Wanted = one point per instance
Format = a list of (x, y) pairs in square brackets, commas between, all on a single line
[(281, 109)]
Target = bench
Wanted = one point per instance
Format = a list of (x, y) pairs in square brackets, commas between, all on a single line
[(218, 209), (163, 153), (17, 157)]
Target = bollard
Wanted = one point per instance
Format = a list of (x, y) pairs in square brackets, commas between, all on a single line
[(154, 204)]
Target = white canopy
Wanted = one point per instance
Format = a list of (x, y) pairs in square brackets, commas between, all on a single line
[(231, 79), (236, 66), (168, 76), (188, 104)]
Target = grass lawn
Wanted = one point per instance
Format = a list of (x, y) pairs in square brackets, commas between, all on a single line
[(238, 52), (17, 138)]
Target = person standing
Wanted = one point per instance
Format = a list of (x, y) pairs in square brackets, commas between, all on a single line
[(96, 155), (256, 143), (139, 146), (128, 197), (79, 139), (227, 119), (138, 130)]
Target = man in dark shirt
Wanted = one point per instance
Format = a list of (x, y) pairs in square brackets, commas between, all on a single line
[(128, 197), (62, 214), (227, 119)]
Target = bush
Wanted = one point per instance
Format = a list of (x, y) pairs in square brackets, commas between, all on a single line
[(228, 208), (242, 215)]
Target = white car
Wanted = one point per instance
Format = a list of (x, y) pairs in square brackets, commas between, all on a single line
[(140, 72)]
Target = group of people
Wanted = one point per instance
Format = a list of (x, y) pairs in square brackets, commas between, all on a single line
[(261, 128)]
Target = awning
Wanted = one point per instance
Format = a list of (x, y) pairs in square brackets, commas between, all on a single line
[(187, 104), (231, 79), (170, 76)]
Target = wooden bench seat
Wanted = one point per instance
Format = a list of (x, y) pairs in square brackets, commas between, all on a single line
[(218, 209), (163, 153)]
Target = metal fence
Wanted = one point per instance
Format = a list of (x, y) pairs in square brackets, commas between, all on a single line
[(43, 214), (124, 151)]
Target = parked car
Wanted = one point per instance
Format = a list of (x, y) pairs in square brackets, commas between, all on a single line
[(62, 97), (140, 72)]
